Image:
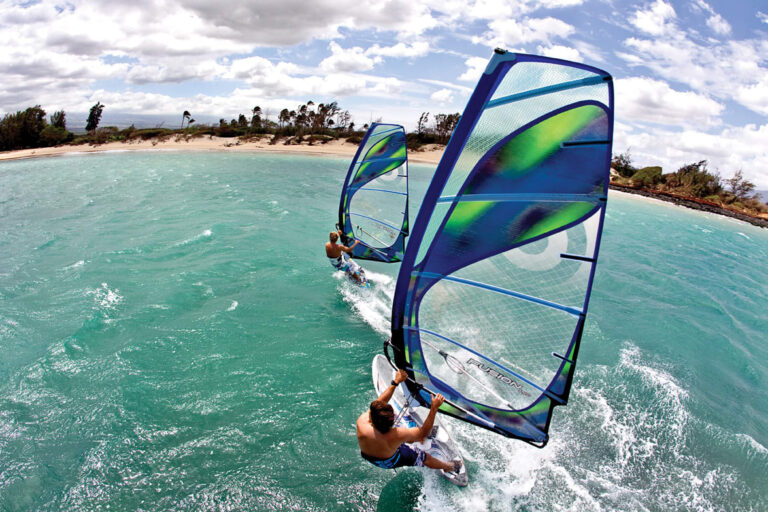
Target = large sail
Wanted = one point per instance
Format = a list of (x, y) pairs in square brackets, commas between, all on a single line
[(492, 293), (374, 201)]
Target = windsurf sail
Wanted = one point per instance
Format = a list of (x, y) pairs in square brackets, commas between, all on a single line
[(492, 294), (374, 201)]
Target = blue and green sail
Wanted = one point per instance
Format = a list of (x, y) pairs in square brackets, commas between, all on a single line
[(374, 201), (492, 294)]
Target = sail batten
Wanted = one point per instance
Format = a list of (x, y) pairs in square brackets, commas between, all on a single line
[(484, 357), (375, 220), (385, 191), (544, 90), (503, 291), (374, 201), (497, 276), (564, 198)]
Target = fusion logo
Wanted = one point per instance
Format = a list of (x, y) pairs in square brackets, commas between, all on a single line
[(496, 375)]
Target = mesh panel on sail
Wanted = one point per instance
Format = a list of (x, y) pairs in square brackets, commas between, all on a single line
[(374, 204), (516, 336), (490, 301)]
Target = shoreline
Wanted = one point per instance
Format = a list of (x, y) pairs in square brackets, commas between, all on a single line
[(431, 154), (693, 204)]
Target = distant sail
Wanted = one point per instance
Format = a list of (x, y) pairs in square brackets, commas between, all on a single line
[(492, 293), (374, 201)]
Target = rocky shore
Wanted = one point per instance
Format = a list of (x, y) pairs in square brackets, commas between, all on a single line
[(694, 203)]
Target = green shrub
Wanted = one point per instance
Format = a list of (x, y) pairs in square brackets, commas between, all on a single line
[(647, 176), (53, 136)]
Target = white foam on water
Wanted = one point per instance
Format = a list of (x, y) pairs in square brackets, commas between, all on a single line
[(611, 449), (200, 236), (759, 448), (374, 304), (501, 471), (75, 265), (622, 435), (744, 235), (208, 288), (106, 298), (669, 393), (232, 306)]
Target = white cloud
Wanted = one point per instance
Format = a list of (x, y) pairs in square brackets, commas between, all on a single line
[(416, 49), (511, 32), (654, 20), (346, 60), (475, 68), (288, 22), (727, 70), (443, 96), (754, 97), (472, 10), (644, 99), (560, 52), (716, 22), (387, 86), (460, 88), (551, 4), (731, 149), (762, 16), (719, 25)]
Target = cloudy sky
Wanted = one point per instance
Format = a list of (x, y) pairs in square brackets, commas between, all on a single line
[(691, 75)]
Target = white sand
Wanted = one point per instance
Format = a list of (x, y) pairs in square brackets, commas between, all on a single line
[(430, 155)]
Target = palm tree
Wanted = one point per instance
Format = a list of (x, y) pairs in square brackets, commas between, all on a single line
[(256, 119), (185, 115), (284, 117)]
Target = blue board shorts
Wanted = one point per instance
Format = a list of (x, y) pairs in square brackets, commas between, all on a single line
[(345, 264), (404, 456)]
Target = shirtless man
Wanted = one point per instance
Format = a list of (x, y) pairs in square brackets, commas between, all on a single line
[(335, 253), (384, 446)]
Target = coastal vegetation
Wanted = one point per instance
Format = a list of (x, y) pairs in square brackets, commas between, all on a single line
[(311, 123), (693, 182), (308, 123), (30, 129)]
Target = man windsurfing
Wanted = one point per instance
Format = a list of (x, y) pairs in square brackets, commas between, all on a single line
[(383, 445), (339, 260)]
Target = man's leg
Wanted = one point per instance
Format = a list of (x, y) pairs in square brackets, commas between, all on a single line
[(434, 463)]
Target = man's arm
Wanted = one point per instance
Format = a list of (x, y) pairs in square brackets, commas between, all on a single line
[(418, 434), (349, 249), (386, 395)]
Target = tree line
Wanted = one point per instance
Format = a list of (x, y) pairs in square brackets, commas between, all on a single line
[(307, 122), (30, 128), (690, 180)]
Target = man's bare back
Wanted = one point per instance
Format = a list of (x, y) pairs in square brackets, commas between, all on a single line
[(388, 449), (380, 445), (334, 250)]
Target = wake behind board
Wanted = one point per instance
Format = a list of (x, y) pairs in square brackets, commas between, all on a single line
[(363, 282), (440, 445)]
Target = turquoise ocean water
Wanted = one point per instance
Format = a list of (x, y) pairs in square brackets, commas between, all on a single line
[(172, 338)]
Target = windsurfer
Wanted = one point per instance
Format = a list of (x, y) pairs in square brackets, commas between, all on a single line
[(338, 258), (384, 446)]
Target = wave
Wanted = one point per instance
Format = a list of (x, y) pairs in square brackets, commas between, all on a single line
[(626, 441), (200, 236), (374, 304)]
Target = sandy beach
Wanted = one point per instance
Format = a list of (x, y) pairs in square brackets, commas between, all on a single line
[(429, 155)]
